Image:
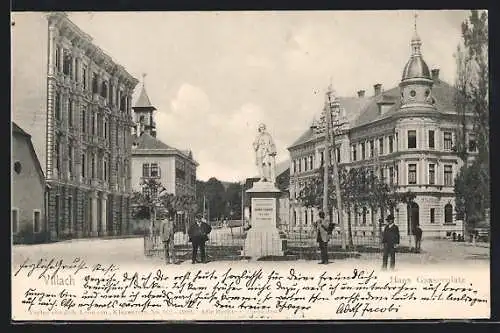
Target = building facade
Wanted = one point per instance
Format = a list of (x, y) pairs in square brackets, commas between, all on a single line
[(152, 159), (407, 136), (77, 100), (28, 190)]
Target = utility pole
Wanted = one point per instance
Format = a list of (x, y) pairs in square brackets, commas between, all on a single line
[(332, 104)]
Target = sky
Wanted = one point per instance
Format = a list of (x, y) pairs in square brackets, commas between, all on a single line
[(214, 76)]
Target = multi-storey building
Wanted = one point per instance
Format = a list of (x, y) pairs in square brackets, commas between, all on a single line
[(74, 99), (152, 159), (407, 136)]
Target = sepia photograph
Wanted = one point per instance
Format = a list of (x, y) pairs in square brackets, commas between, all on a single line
[(250, 165)]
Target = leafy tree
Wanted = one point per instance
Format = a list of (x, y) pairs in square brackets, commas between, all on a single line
[(144, 203), (471, 101), (233, 200)]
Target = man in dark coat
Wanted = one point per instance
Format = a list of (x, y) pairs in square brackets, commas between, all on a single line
[(390, 239), (198, 235), (418, 238), (322, 230)]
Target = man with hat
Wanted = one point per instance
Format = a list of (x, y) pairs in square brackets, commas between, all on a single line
[(390, 239), (198, 235), (167, 236)]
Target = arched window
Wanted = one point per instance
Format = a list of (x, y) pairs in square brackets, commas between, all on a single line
[(448, 213), (104, 89)]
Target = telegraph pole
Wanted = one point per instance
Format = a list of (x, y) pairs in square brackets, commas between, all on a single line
[(331, 105)]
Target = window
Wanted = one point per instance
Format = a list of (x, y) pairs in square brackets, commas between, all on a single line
[(104, 89), (58, 155), (413, 93), (15, 220), (448, 214), (305, 164), (432, 174), (381, 174), (84, 77), (70, 213), (105, 127), (294, 166), (354, 153), (58, 59), (412, 139), (57, 105), (145, 170), (83, 165), (472, 142), (95, 84), (122, 103), (431, 140), (448, 175), (381, 146), (77, 69), (363, 151), (337, 151), (300, 164), (447, 139), (322, 157), (70, 112), (67, 65), (391, 175), (17, 167), (105, 167), (391, 144), (155, 170), (365, 211), (94, 122), (372, 148), (70, 159), (433, 215), (412, 174), (93, 166), (37, 226), (311, 164), (84, 120)]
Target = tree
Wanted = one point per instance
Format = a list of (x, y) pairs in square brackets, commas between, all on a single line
[(144, 203), (360, 189), (471, 101), (233, 200), (215, 193)]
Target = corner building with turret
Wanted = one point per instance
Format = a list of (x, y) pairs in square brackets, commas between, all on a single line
[(75, 100), (407, 135)]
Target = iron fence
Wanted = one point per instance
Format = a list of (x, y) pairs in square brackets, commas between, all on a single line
[(227, 242)]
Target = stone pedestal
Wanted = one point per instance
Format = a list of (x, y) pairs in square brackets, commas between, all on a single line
[(263, 238)]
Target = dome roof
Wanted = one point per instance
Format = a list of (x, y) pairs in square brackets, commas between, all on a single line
[(416, 68)]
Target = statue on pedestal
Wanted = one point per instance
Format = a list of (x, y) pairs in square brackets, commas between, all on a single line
[(265, 154)]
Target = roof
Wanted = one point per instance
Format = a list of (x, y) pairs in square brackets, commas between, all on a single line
[(18, 130), (364, 110), (143, 101), (146, 141), (416, 68), (147, 144)]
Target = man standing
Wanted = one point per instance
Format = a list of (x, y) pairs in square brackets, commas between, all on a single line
[(198, 235), (321, 229), (390, 239), (167, 235), (418, 238)]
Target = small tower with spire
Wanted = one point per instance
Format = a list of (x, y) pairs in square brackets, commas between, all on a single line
[(143, 110), (416, 82)]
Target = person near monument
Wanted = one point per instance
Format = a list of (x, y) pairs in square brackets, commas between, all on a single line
[(390, 240), (322, 230), (198, 235), (418, 238), (167, 235), (265, 154)]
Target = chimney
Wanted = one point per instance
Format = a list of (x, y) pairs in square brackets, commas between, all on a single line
[(361, 93), (377, 89), (435, 74)]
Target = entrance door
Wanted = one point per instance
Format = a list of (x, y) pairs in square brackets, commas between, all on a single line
[(413, 217)]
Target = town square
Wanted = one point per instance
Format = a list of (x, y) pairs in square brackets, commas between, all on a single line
[(229, 138)]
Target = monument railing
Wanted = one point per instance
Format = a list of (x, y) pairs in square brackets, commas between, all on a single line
[(226, 243)]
